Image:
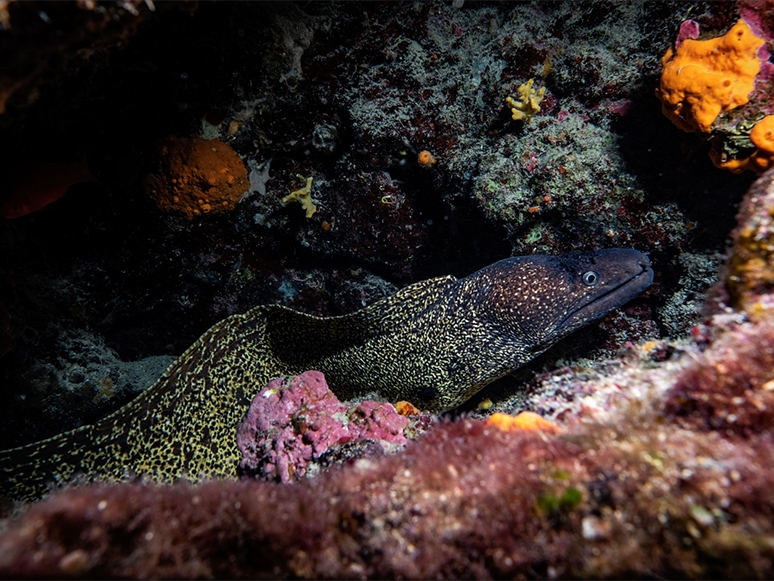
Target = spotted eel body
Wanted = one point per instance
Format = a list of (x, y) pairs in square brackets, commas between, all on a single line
[(434, 343)]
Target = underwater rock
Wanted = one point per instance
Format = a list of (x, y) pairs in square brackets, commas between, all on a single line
[(641, 497), (731, 388), (630, 487)]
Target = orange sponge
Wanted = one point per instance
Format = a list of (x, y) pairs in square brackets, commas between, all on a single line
[(197, 176), (525, 421), (762, 137), (704, 78)]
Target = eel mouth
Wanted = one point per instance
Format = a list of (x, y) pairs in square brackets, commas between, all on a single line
[(613, 298)]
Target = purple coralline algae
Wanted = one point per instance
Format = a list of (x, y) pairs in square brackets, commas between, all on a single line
[(759, 15), (731, 388), (293, 421), (689, 30)]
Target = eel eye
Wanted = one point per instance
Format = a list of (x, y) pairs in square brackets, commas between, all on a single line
[(590, 278)]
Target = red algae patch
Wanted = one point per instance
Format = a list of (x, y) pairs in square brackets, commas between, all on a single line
[(463, 501), (731, 387), (196, 176)]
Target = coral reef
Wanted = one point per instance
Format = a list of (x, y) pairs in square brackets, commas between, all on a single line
[(731, 388), (371, 219), (292, 422), (680, 313), (465, 500), (575, 177), (197, 176), (762, 157), (82, 382)]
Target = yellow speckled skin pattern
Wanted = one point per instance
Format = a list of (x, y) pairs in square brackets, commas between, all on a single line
[(434, 343)]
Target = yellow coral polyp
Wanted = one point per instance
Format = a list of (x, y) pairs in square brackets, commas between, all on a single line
[(704, 78), (529, 101)]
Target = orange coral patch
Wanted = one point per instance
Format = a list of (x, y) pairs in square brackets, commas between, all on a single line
[(762, 137), (704, 78), (406, 408), (527, 421), (425, 158), (197, 176)]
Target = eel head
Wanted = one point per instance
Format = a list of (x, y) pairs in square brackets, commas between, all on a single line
[(538, 300)]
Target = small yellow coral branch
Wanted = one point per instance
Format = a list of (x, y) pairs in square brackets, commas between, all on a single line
[(529, 101), (304, 197)]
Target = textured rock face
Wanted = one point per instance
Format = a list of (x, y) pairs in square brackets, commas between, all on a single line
[(751, 269), (466, 500)]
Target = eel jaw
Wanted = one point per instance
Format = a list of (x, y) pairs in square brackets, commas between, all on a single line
[(600, 306)]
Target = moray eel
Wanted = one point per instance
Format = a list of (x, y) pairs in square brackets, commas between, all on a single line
[(434, 343)]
